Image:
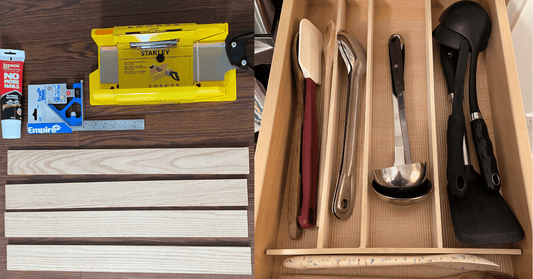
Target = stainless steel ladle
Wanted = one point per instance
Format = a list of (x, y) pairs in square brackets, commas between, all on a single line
[(405, 179), (354, 58)]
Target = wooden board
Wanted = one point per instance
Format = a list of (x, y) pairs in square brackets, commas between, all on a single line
[(129, 161), (160, 193), (130, 223), (156, 259)]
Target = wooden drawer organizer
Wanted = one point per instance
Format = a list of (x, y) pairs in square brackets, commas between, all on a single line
[(377, 227)]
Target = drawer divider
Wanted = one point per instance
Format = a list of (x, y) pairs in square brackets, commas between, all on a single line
[(432, 131), (324, 225), (365, 205)]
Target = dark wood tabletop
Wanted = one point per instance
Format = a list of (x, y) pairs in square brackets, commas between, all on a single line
[(56, 38)]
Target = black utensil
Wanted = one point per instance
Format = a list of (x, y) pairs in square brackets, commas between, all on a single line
[(479, 213), (456, 121), (466, 25)]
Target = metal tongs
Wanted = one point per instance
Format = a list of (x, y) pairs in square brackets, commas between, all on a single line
[(354, 58)]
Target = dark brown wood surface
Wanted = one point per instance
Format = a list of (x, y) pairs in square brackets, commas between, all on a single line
[(56, 36)]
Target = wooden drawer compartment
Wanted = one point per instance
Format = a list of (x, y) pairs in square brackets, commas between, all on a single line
[(377, 227)]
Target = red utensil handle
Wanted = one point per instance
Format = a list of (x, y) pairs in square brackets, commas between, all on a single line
[(307, 218)]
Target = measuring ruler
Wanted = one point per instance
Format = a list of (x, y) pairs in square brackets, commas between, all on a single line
[(110, 125)]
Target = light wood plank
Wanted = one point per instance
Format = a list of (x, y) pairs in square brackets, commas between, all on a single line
[(365, 204), (154, 259), (138, 223), (221, 192), (438, 239), (407, 251), (129, 161), (327, 177)]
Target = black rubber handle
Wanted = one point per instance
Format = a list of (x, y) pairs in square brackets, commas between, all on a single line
[(455, 173), (485, 155)]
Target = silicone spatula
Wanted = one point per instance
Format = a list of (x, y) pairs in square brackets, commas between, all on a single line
[(309, 58)]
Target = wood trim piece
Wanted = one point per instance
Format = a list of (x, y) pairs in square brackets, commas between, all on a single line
[(161, 193), (129, 161), (130, 223), (365, 204), (438, 239), (327, 175), (153, 259), (407, 251)]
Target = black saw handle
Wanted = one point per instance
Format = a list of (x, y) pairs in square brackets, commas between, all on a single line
[(485, 155)]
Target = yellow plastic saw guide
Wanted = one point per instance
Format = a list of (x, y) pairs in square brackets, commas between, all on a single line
[(171, 63)]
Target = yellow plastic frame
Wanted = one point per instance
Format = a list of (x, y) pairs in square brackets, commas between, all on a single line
[(209, 91)]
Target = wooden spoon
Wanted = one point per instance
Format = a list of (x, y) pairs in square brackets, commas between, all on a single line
[(468, 275), (294, 176)]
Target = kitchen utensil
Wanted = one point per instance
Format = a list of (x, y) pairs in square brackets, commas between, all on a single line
[(453, 261), (465, 27), (354, 58), (467, 275), (294, 176), (403, 198), (405, 179), (448, 58), (330, 39), (479, 216), (309, 57)]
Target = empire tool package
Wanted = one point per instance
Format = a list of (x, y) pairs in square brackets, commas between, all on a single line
[(56, 109), (171, 63), (11, 92)]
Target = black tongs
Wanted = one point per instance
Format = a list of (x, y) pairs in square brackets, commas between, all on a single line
[(465, 27)]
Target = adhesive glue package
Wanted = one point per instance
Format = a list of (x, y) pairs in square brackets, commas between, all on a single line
[(11, 92)]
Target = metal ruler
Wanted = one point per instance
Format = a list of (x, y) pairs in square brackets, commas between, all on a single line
[(110, 125)]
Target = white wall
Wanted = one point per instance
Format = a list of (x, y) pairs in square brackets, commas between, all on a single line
[(520, 15), (522, 41)]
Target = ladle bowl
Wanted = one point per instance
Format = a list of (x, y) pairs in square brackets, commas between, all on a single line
[(414, 195), (404, 176)]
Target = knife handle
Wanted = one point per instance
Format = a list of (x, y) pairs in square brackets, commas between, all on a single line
[(485, 155), (307, 218)]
